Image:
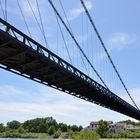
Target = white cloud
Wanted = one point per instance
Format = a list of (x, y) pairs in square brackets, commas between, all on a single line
[(135, 92), (25, 6), (49, 102), (74, 13), (118, 42)]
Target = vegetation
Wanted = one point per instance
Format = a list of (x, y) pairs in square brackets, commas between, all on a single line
[(103, 129), (13, 125), (38, 128), (2, 128), (86, 135), (124, 134), (50, 128), (105, 133)]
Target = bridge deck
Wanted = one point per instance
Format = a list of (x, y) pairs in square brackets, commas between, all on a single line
[(28, 58)]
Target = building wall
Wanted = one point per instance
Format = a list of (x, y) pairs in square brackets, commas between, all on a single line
[(112, 126)]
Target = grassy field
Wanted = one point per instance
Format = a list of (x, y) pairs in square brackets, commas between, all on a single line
[(121, 139)]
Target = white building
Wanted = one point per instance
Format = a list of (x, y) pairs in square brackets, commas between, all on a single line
[(112, 126), (132, 127), (117, 126)]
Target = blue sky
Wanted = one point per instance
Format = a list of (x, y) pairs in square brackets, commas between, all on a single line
[(118, 23)]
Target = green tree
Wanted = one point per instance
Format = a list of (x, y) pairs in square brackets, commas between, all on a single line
[(21, 130), (40, 125), (63, 127), (13, 124), (74, 128), (80, 128), (2, 128), (51, 130), (102, 129)]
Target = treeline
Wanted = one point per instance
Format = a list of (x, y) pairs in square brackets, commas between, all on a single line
[(39, 127), (50, 128)]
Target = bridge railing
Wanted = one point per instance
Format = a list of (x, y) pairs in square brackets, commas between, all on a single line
[(62, 63)]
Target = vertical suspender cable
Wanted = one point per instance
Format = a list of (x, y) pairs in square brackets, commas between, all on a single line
[(72, 33), (24, 18), (38, 23), (77, 44), (65, 15), (63, 38), (5, 10), (41, 21), (2, 9), (105, 49)]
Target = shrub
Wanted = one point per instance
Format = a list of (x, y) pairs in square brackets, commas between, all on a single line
[(86, 136), (57, 134), (51, 130)]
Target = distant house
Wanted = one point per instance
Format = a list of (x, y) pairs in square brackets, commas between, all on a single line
[(95, 124), (117, 126), (112, 126), (131, 127)]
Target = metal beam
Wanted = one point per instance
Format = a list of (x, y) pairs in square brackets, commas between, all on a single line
[(43, 67), (47, 75), (113, 101), (61, 79), (12, 55), (5, 43), (25, 63)]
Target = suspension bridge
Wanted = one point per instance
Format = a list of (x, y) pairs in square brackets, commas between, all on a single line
[(22, 55)]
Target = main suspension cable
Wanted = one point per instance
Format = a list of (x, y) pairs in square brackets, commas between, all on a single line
[(77, 44), (105, 49)]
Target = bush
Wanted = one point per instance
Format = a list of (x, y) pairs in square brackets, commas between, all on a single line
[(51, 130), (65, 135), (57, 134), (86, 136), (21, 130)]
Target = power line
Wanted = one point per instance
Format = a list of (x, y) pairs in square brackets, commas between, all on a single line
[(77, 44), (105, 49)]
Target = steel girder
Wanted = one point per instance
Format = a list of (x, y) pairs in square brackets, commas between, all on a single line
[(11, 48)]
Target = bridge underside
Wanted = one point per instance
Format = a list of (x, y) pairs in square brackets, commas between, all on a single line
[(18, 57)]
